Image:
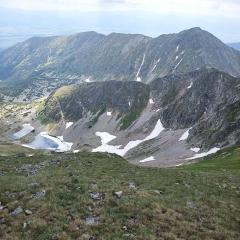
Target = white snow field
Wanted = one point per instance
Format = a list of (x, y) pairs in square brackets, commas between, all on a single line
[(27, 128), (45, 141), (69, 124), (106, 138), (149, 159), (185, 135), (190, 85), (195, 149), (204, 154)]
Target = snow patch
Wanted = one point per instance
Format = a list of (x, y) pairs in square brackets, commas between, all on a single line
[(69, 124), (195, 149), (60, 137), (155, 65), (149, 159), (27, 128), (204, 154), (45, 141), (151, 101), (178, 64), (137, 75), (185, 135), (190, 85), (109, 113), (177, 48), (88, 80), (180, 164), (76, 151), (106, 138)]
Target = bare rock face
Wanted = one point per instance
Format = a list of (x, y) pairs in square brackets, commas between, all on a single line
[(208, 101)]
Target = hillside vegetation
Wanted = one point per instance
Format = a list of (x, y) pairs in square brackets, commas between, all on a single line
[(78, 196)]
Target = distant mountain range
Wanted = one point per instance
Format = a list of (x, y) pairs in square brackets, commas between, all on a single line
[(235, 45), (41, 64), (164, 98)]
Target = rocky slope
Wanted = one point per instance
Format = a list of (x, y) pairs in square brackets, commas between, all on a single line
[(164, 123), (207, 101), (39, 65)]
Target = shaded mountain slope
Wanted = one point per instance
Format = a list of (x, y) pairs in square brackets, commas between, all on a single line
[(207, 100)]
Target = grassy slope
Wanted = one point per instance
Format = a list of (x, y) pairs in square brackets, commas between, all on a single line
[(199, 201)]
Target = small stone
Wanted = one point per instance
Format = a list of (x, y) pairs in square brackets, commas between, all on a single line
[(1, 206), (132, 185), (128, 236), (28, 212), (158, 192), (118, 194), (190, 204), (96, 195), (16, 211), (85, 236), (2, 220), (91, 221), (125, 228), (39, 194)]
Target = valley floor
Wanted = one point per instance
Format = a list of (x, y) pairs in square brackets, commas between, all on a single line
[(101, 196)]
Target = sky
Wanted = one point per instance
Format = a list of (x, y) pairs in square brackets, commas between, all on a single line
[(21, 19)]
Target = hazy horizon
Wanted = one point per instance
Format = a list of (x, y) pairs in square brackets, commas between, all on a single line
[(23, 19)]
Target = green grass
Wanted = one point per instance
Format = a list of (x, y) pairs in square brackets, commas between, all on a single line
[(9, 149), (229, 159), (199, 201), (134, 113)]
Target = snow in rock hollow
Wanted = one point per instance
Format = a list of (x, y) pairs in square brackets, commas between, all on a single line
[(60, 137), (155, 65), (178, 64), (151, 101), (185, 135), (195, 149), (109, 113), (106, 138), (45, 141), (190, 85), (69, 124), (149, 159), (27, 128), (138, 72), (87, 80), (204, 154)]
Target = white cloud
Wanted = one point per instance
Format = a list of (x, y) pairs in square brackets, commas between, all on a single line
[(229, 8)]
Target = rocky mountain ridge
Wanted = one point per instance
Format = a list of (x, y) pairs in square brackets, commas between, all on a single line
[(163, 123), (39, 65)]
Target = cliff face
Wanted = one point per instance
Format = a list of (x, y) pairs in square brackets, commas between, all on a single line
[(206, 100)]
